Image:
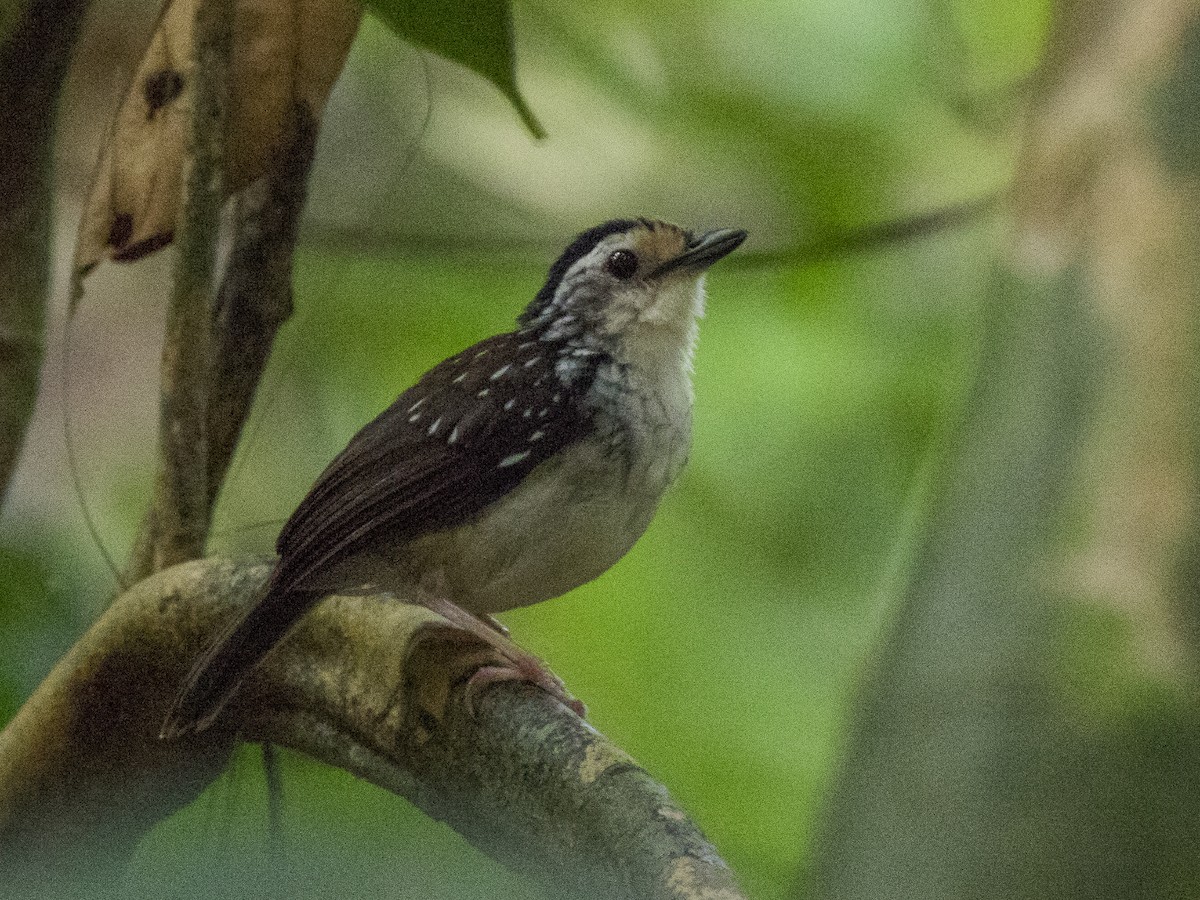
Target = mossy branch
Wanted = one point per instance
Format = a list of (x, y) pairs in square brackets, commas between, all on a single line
[(83, 774)]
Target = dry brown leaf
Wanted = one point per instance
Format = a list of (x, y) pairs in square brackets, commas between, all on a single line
[(284, 52)]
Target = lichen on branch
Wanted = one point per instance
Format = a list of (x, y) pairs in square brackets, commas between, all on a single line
[(83, 774)]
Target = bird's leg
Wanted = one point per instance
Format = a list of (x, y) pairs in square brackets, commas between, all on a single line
[(519, 665)]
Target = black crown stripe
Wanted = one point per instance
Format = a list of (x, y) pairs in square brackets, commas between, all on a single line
[(583, 244)]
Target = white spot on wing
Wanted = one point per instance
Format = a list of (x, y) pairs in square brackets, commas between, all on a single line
[(460, 379), (483, 393), (453, 439), (532, 361), (537, 436), (513, 458), (510, 404), (434, 427), (416, 405), (499, 373), (414, 417)]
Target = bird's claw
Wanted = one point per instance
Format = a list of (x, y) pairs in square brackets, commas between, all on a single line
[(516, 665), (524, 668)]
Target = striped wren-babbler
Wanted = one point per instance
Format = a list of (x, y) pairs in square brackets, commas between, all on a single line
[(512, 472)]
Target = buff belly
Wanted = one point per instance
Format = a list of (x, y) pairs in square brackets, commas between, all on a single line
[(571, 520), (568, 522)]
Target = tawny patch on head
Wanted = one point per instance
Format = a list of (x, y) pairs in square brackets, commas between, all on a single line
[(658, 242)]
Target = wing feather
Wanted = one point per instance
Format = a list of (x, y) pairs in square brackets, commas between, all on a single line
[(465, 435)]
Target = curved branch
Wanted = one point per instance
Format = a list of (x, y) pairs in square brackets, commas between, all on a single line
[(33, 61), (83, 775)]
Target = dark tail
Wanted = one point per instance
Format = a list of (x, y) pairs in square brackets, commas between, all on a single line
[(217, 675)]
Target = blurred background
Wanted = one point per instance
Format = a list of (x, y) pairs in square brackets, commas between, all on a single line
[(917, 619)]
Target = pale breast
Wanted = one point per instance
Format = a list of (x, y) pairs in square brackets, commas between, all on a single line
[(570, 521), (575, 514)]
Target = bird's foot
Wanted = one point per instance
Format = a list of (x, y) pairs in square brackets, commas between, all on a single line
[(528, 668), (515, 665)]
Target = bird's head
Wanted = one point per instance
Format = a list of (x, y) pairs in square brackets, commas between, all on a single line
[(629, 284)]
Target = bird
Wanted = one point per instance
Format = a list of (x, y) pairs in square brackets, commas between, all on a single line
[(511, 472)]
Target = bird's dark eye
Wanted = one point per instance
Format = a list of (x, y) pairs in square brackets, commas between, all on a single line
[(622, 264)]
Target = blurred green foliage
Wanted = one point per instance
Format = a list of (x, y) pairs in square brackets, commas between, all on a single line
[(782, 576), (1175, 108), (1009, 744), (10, 11), (38, 617)]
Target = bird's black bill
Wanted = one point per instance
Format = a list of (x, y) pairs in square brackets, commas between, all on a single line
[(704, 250)]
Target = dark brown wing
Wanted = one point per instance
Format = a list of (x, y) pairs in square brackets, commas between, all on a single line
[(460, 439), (465, 435)]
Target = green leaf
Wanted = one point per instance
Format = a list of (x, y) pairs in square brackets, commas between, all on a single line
[(478, 35)]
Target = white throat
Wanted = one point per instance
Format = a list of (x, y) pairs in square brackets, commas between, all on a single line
[(660, 347)]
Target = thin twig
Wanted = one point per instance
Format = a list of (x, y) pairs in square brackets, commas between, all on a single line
[(274, 779), (33, 62), (176, 525), (817, 248), (876, 236)]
